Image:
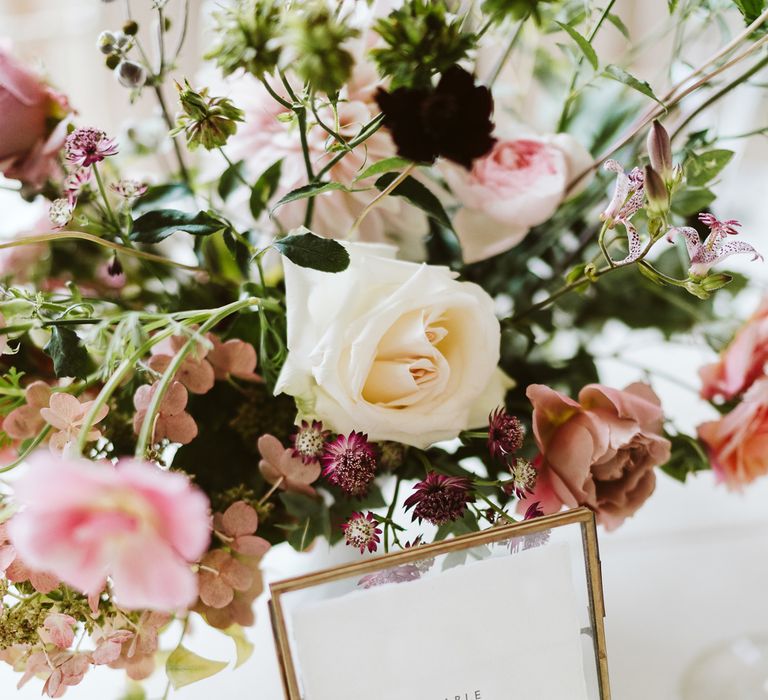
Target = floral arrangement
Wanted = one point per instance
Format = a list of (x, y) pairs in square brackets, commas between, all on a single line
[(340, 312)]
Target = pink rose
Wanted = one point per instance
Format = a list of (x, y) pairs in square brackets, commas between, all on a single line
[(28, 144), (518, 185), (134, 523), (737, 443), (742, 362), (598, 452)]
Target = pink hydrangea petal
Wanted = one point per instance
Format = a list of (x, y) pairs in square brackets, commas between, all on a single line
[(181, 428), (175, 399), (142, 397), (23, 422), (60, 629), (101, 414), (38, 395), (197, 375), (251, 545), (271, 449), (214, 591), (237, 575), (240, 519), (64, 410)]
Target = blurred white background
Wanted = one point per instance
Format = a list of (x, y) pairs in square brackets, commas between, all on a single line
[(688, 571)]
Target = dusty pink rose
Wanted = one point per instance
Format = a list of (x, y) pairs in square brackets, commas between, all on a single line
[(742, 362), (66, 413), (134, 523), (28, 145), (518, 185), (737, 443), (598, 452), (25, 421), (233, 358), (280, 468), (172, 421), (195, 372)]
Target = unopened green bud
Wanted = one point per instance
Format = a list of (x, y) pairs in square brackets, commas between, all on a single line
[(656, 192), (113, 61), (660, 150), (106, 42), (715, 281), (206, 121)]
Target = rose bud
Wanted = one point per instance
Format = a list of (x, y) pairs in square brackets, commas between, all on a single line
[(656, 191), (660, 150)]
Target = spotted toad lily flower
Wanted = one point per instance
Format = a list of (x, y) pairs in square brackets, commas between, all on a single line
[(628, 198), (716, 247)]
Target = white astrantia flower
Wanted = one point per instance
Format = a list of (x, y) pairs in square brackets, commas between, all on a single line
[(397, 350)]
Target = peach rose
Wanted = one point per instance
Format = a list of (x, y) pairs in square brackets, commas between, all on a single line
[(742, 362), (598, 452), (29, 144), (518, 185), (737, 443)]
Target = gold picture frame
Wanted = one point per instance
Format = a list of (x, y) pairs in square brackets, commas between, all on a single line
[(581, 516)]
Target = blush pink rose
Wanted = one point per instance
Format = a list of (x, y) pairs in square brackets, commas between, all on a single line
[(28, 144), (133, 523), (742, 362), (599, 452), (737, 443), (518, 185)]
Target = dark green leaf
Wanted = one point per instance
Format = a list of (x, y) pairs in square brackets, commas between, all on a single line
[(583, 44), (230, 179), (313, 519), (616, 21), (310, 191), (160, 194), (701, 169), (619, 74), (692, 201), (308, 250), (688, 457), (70, 358), (417, 194), (265, 188), (157, 225), (751, 9), (384, 166)]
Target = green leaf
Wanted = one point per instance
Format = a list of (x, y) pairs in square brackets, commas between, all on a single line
[(616, 21), (583, 44), (688, 457), (384, 166), (157, 225), (418, 195), (672, 5), (310, 191), (243, 647), (751, 9), (70, 358), (265, 188), (620, 75), (230, 179), (313, 519), (159, 194), (184, 667), (308, 250), (701, 169), (134, 691), (692, 201)]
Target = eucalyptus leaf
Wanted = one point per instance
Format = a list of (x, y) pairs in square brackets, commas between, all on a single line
[(620, 75), (308, 250), (582, 43), (70, 358), (417, 194), (184, 667), (157, 225)]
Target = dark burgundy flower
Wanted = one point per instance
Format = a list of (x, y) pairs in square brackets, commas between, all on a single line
[(440, 499), (309, 441), (362, 532), (452, 120), (505, 433), (350, 463)]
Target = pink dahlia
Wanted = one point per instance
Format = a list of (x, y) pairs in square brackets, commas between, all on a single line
[(87, 146), (440, 499), (505, 433), (133, 523), (309, 441), (349, 462), (362, 532)]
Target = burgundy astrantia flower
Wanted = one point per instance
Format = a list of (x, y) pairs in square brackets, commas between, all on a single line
[(505, 433), (87, 146), (524, 476), (309, 441), (349, 462), (453, 120), (534, 511), (440, 499), (129, 189), (716, 247), (362, 532)]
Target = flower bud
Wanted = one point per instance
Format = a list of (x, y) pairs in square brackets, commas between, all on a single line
[(113, 61), (660, 150), (716, 281), (131, 28), (131, 74), (106, 42), (206, 121), (656, 191)]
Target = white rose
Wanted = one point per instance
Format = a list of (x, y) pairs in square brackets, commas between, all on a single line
[(518, 185), (397, 350)]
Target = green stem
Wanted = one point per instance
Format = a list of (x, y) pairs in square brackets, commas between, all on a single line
[(496, 509), (507, 53), (103, 191), (147, 427), (365, 133), (235, 170), (275, 95), (390, 512), (387, 190)]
